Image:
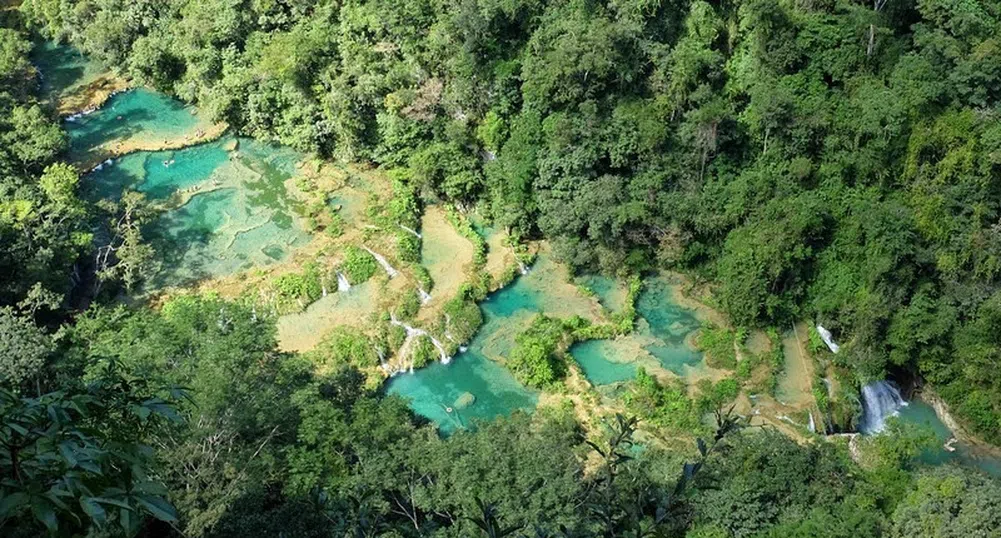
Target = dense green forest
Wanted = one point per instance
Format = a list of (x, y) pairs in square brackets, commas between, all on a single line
[(827, 159), (823, 160)]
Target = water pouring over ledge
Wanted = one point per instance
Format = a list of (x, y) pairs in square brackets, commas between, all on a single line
[(880, 400)]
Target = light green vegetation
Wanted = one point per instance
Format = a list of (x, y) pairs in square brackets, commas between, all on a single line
[(358, 265)]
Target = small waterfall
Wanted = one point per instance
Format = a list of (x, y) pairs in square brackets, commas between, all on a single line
[(411, 230), (382, 261), (413, 332), (425, 296), (522, 267), (812, 425), (880, 400), (100, 166), (342, 283), (825, 335), (324, 290)]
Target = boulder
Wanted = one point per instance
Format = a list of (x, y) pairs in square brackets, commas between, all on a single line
[(464, 400)]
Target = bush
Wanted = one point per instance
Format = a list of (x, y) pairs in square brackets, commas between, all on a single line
[(292, 292), (423, 352), (423, 277), (464, 318), (718, 345), (666, 406), (408, 306), (408, 247), (537, 360), (345, 346), (358, 265)]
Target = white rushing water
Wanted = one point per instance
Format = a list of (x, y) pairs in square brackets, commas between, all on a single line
[(411, 230), (382, 261), (414, 332), (880, 400), (425, 296), (342, 283), (825, 335)]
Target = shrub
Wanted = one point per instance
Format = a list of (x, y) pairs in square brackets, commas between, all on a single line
[(358, 265), (408, 247), (718, 345), (464, 318), (423, 352), (537, 360), (345, 346), (294, 291)]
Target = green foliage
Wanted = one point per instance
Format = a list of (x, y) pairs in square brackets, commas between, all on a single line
[(423, 277), (293, 292), (23, 348), (344, 346), (537, 358), (408, 305), (403, 207), (825, 161), (764, 484), (423, 353), (625, 318), (667, 405), (901, 445), (43, 225), (947, 503), (718, 344), (833, 161), (464, 317), (408, 247), (127, 257), (465, 229), (816, 343), (358, 265), (75, 461)]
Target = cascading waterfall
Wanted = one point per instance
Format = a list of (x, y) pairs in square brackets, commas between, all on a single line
[(828, 339), (411, 230), (522, 267), (414, 332), (382, 261), (880, 400), (342, 283), (813, 424), (425, 296)]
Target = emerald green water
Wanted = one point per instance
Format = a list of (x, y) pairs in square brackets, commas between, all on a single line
[(669, 324), (611, 294), (658, 339), (63, 68), (920, 413), (433, 390), (136, 115), (146, 172), (507, 312), (593, 358), (232, 209)]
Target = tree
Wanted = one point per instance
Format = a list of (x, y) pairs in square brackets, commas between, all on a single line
[(127, 257), (73, 461), (949, 503), (23, 349)]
